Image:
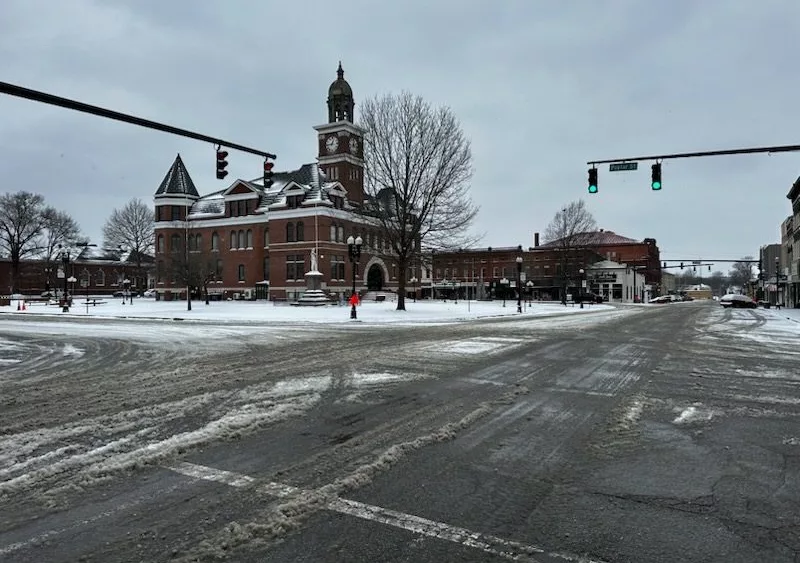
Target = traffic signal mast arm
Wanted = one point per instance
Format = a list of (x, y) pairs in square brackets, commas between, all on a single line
[(754, 150), (36, 96)]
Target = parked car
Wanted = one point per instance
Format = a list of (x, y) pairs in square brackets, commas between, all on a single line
[(149, 293), (661, 300), (735, 300)]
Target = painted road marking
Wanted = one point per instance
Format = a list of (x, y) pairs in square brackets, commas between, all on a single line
[(507, 549)]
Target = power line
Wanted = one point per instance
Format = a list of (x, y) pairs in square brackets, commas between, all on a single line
[(36, 96), (776, 149)]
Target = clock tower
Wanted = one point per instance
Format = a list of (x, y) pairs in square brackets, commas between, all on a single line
[(341, 141)]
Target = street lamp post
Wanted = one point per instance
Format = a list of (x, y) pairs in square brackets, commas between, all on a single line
[(530, 292), (582, 291), (354, 251), (519, 284), (777, 279), (65, 257), (413, 281), (504, 285)]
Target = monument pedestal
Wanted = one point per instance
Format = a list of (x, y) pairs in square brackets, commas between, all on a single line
[(314, 296)]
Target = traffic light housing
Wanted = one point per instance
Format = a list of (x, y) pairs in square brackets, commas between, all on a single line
[(593, 180), (268, 173), (655, 181), (222, 164)]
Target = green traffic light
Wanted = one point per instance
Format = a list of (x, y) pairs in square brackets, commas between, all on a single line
[(656, 185), (592, 189)]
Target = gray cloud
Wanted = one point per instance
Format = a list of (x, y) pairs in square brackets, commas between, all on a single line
[(541, 87)]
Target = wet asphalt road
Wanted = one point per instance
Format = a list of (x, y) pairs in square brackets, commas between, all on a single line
[(659, 435)]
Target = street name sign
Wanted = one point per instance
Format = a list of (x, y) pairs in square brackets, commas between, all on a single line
[(623, 166)]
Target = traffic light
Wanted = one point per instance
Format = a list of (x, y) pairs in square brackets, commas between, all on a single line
[(681, 265), (222, 164), (593, 180), (655, 181), (268, 173)]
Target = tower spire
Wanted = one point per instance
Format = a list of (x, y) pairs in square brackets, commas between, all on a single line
[(340, 71)]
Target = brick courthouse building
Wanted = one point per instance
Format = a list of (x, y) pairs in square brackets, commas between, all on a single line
[(256, 243)]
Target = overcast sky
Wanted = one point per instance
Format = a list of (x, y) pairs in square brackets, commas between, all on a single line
[(540, 88)]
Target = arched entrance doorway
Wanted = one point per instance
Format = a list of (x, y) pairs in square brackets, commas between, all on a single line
[(375, 278)]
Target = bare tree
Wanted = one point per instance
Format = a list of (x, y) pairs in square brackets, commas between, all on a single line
[(418, 164), (21, 226), (742, 272), (132, 228), (570, 231), (59, 228), (191, 266), (717, 281)]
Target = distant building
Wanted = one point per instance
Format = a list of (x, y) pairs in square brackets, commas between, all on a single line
[(699, 291), (492, 271), (770, 275), (668, 284), (96, 270), (256, 240), (618, 282), (790, 239)]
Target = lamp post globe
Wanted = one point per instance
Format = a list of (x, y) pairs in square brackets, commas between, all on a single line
[(354, 253), (519, 286)]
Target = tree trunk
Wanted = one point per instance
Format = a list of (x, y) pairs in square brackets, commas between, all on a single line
[(401, 285), (188, 298), (15, 272)]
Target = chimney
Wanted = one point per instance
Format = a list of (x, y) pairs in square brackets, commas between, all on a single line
[(535, 240)]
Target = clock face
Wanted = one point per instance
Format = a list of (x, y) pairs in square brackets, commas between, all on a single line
[(354, 145), (332, 143)]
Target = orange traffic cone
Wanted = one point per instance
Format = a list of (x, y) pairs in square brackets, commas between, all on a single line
[(24, 307)]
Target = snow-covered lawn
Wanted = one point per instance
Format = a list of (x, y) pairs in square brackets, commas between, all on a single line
[(266, 312)]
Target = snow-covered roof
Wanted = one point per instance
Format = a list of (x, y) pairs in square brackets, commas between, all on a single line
[(308, 181), (177, 181)]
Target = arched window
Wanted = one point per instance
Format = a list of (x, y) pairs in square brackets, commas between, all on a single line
[(160, 246), (99, 277), (249, 238), (190, 241), (333, 233), (214, 241), (241, 240), (266, 237), (341, 234), (300, 231), (290, 232), (85, 278), (232, 244), (175, 243), (198, 242)]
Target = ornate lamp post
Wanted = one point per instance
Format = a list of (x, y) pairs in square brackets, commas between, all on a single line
[(413, 281), (354, 251), (65, 259), (530, 292), (504, 285), (519, 284), (582, 291)]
